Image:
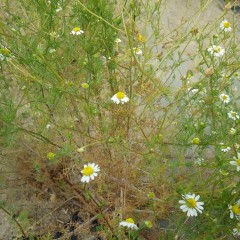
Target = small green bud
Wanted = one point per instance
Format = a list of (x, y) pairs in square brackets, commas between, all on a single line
[(81, 150), (85, 85), (51, 156), (196, 141), (148, 224), (151, 195)]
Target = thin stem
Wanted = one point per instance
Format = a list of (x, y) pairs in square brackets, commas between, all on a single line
[(15, 220)]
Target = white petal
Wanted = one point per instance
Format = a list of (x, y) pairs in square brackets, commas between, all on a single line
[(84, 179), (96, 168), (197, 197), (189, 213), (115, 99), (188, 196), (194, 212), (135, 227), (92, 177), (185, 209), (183, 206), (125, 99), (122, 224), (198, 209)]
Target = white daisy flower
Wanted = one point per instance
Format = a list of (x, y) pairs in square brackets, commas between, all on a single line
[(216, 51), (225, 149), (59, 8), (129, 223), (52, 50), (236, 162), (233, 115), (199, 161), (120, 97), (77, 31), (118, 40), (225, 26), (224, 97), (2, 57), (89, 172), (193, 90), (137, 51), (236, 231), (235, 210), (191, 205)]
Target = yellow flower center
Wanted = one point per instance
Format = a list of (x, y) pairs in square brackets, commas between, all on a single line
[(129, 220), (218, 49), (236, 209), (120, 95), (76, 29), (87, 171), (226, 24), (224, 97), (191, 203), (238, 162), (234, 114)]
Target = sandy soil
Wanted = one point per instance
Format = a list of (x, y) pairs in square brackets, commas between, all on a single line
[(175, 14)]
